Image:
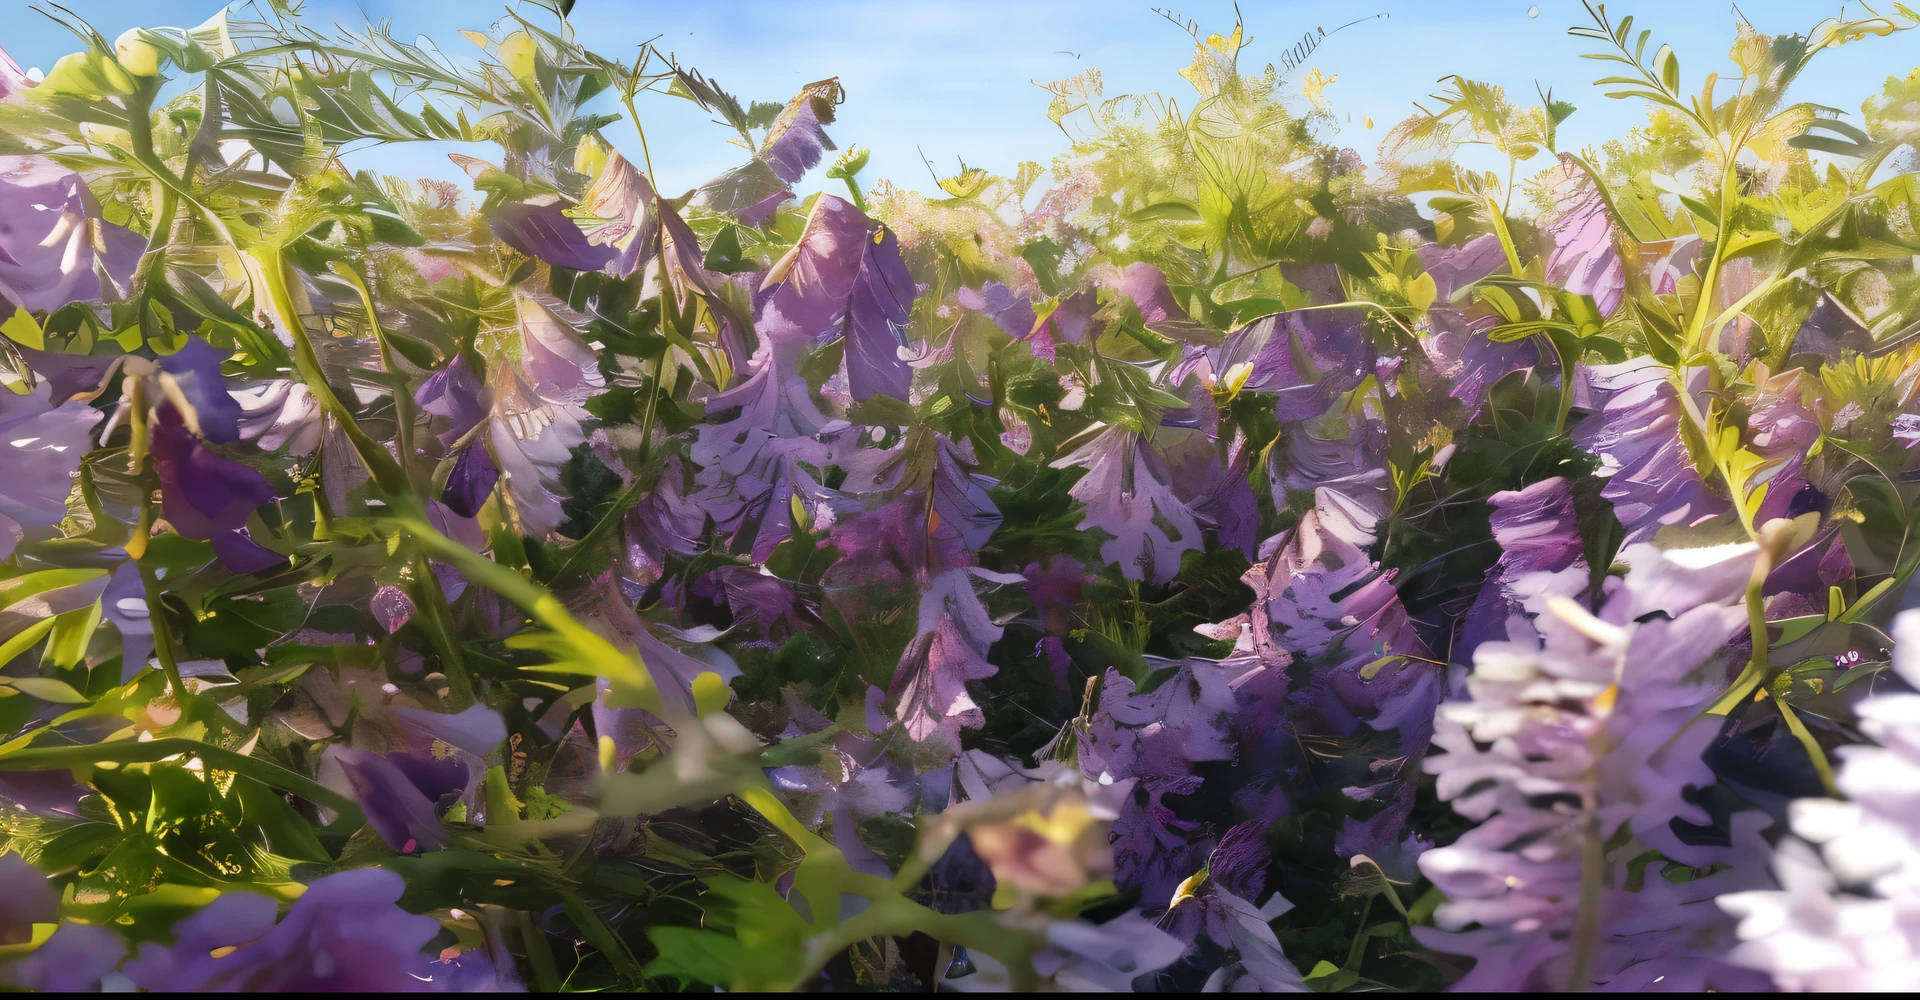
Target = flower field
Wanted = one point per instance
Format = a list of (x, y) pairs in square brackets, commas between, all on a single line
[(1212, 560)]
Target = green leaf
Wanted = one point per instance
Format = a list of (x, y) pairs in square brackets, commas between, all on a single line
[(46, 689), (1172, 210), (697, 956), (286, 833)]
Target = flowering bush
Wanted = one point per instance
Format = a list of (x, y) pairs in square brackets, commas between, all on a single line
[(1213, 563)]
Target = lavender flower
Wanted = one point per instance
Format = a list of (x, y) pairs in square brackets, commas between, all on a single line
[(343, 935), (1570, 740), (1127, 496), (42, 446), (54, 247), (1584, 260), (1651, 481)]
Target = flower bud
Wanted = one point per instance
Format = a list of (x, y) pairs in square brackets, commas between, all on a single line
[(136, 56), (518, 53)]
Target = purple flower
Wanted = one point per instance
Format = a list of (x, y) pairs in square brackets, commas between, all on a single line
[(929, 689), (1781, 429), (193, 373), (1127, 496), (1303, 358), (1011, 312), (391, 607), (1583, 260), (877, 310), (805, 292), (1216, 904), (1832, 330), (456, 394), (70, 376), (1843, 917), (623, 203), (1573, 739), (73, 960), (401, 792), (1651, 481), (54, 247), (207, 497), (795, 144), (759, 212), (12, 80), (279, 414), (1538, 532), (344, 935), (40, 447), (544, 232), (1460, 351), (28, 900), (1906, 430), (1454, 268)]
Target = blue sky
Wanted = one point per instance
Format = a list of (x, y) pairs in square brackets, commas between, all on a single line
[(953, 77)]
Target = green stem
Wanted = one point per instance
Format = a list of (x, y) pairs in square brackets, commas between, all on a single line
[(403, 405), (1586, 920), (1813, 748), (597, 535), (437, 615), (386, 473), (1710, 285), (546, 978), (1756, 668), (586, 645), (217, 758), (162, 636)]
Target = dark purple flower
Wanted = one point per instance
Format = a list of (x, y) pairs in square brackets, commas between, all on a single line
[(207, 497), (544, 232), (1830, 330), (400, 793), (877, 310), (1011, 312), (195, 371), (1227, 502), (457, 394), (49, 232), (471, 481), (344, 935)]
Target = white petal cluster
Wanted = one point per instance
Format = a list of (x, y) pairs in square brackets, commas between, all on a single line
[(1847, 914)]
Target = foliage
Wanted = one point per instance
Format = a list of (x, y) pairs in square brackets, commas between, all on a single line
[(1205, 563)]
